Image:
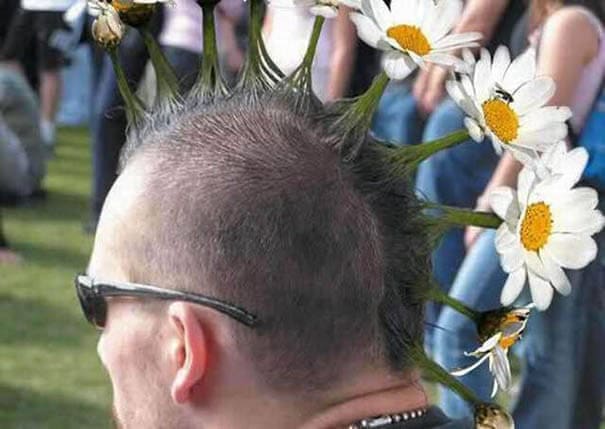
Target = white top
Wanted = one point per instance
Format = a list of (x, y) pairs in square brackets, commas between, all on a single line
[(183, 26), (51, 5), (288, 38)]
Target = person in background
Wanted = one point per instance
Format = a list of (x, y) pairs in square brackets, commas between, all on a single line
[(39, 19), (7, 256), (23, 153), (180, 35), (287, 30), (563, 344)]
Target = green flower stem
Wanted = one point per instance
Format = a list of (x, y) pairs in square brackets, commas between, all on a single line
[(437, 372), (134, 106), (167, 82), (312, 48), (455, 216), (435, 294), (366, 104), (407, 158), (302, 76), (210, 79)]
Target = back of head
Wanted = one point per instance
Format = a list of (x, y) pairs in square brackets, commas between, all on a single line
[(252, 204)]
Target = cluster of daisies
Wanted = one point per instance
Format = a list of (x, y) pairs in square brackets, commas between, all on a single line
[(548, 222)]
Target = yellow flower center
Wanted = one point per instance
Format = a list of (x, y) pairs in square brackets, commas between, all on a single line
[(410, 38), (536, 226), (501, 119)]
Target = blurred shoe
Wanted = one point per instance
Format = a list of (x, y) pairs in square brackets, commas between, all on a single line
[(48, 134)]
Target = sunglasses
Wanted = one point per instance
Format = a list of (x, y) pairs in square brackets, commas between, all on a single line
[(93, 299)]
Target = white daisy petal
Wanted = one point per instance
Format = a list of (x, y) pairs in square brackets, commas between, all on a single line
[(542, 139), (534, 263), (577, 220), (501, 200), (442, 18), (406, 11), (584, 198), (541, 291), (533, 94), (366, 29), (501, 368), (500, 64), (474, 130), (324, 10), (381, 14), (545, 115), (573, 166), (464, 371), (513, 287), (506, 240), (555, 274), (521, 70), (397, 65), (446, 60), (482, 77), (573, 251), (457, 40)]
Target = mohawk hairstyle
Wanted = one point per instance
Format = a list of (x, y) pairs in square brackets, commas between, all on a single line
[(259, 208)]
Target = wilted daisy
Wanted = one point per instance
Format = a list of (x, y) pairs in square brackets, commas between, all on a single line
[(506, 101), (492, 416), (499, 330), (326, 8), (547, 226), (136, 12), (413, 32)]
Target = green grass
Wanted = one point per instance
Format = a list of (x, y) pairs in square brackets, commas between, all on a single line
[(50, 376)]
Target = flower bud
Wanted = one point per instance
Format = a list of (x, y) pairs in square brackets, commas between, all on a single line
[(108, 29)]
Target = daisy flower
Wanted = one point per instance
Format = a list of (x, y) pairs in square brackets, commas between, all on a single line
[(499, 330), (547, 226), (506, 101), (327, 8), (413, 32)]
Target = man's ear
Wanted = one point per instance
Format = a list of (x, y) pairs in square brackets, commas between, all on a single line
[(189, 351)]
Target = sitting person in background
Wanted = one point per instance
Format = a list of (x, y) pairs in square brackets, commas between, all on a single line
[(22, 151), (248, 202)]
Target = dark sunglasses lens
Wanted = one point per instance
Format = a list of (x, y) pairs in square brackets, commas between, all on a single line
[(93, 306)]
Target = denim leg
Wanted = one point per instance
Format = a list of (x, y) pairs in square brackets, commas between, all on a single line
[(186, 65), (563, 378), (478, 284), (455, 176), (109, 130), (397, 119)]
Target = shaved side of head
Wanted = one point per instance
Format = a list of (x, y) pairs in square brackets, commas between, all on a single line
[(248, 201)]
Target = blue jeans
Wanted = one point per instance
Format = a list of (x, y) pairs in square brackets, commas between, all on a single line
[(562, 350), (109, 124), (397, 119), (455, 176)]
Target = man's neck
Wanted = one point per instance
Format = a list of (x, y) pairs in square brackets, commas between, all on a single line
[(406, 396)]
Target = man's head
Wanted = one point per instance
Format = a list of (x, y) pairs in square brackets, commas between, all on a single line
[(248, 201)]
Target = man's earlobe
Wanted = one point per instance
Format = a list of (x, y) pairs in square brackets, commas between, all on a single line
[(189, 351)]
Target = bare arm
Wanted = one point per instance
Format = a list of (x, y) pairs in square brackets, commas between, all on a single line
[(343, 54)]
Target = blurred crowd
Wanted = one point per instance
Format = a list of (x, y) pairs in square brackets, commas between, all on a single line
[(562, 382)]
